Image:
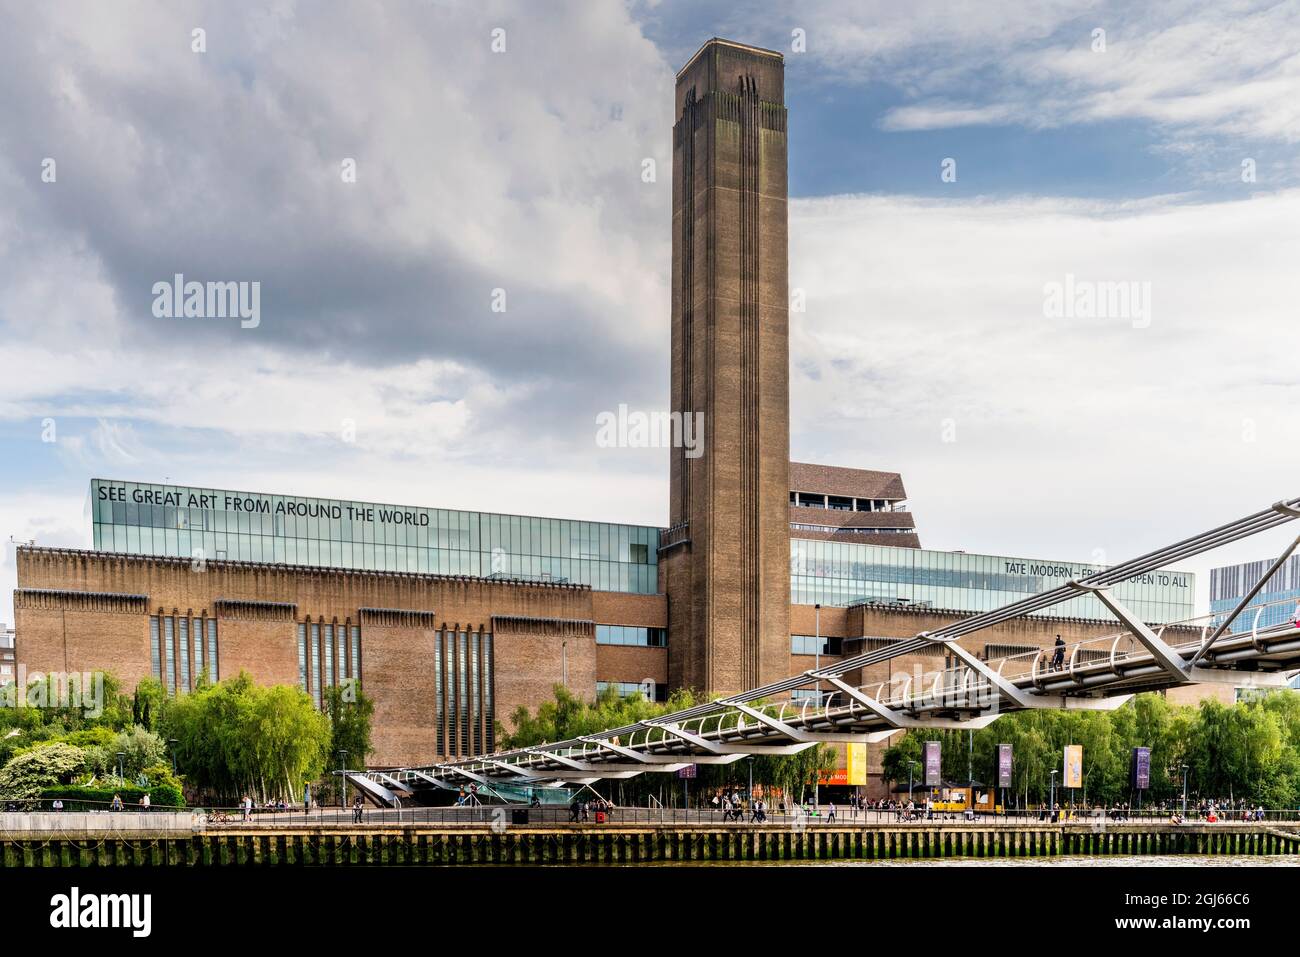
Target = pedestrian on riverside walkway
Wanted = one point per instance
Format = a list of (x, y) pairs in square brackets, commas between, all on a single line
[(358, 807), (1058, 654), (117, 802), (830, 816)]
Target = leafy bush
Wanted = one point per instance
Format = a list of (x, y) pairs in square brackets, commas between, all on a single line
[(28, 773), (99, 798)]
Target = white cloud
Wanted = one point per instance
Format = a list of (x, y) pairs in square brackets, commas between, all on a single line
[(1071, 434), (1229, 69)]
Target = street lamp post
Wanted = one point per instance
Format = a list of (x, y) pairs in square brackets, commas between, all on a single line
[(343, 778), (910, 766), (1184, 792), (172, 742), (1051, 798), (751, 780), (121, 755)]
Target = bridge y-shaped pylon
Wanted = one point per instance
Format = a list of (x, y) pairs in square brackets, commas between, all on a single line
[(1101, 673)]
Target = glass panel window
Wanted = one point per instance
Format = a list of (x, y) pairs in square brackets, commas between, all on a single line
[(169, 662), (462, 667), (213, 669), (196, 639), (452, 700), (184, 624), (155, 659), (475, 716), (329, 656), (315, 664), (356, 651), (488, 678), (439, 714)]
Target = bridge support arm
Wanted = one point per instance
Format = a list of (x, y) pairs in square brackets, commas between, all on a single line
[(1165, 656)]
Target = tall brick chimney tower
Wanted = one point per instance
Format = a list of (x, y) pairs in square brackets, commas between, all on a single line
[(726, 561)]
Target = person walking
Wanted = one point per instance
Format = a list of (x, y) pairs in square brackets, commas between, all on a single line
[(144, 801), (830, 815), (358, 808), (117, 802), (1058, 654)]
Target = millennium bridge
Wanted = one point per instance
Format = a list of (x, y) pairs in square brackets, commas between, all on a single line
[(1099, 673)]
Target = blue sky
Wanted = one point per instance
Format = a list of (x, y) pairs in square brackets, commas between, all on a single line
[(925, 347)]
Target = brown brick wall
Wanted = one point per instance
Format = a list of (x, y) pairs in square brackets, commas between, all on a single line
[(621, 608), (532, 659), (626, 663), (71, 640), (267, 650), (398, 673)]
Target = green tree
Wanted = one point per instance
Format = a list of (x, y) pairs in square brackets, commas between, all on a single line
[(237, 738), (147, 702), (350, 714)]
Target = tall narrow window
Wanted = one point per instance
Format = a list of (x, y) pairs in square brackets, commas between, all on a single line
[(169, 642), (475, 715), (439, 715), (213, 667), (302, 656), (315, 663), (462, 666), (341, 653), (488, 677), (329, 656), (356, 651), (451, 694), (184, 646), (155, 655), (196, 637)]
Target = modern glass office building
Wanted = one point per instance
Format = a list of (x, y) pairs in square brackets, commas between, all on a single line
[(846, 573), (216, 524), (1281, 593)]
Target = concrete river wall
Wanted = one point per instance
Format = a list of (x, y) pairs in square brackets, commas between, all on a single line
[(397, 845)]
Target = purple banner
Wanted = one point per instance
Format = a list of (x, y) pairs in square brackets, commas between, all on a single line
[(933, 764), (1004, 765), (1141, 769)]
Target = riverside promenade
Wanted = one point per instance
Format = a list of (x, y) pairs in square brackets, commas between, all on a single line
[(188, 839)]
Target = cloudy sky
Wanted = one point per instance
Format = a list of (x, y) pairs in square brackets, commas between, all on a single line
[(1154, 146)]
